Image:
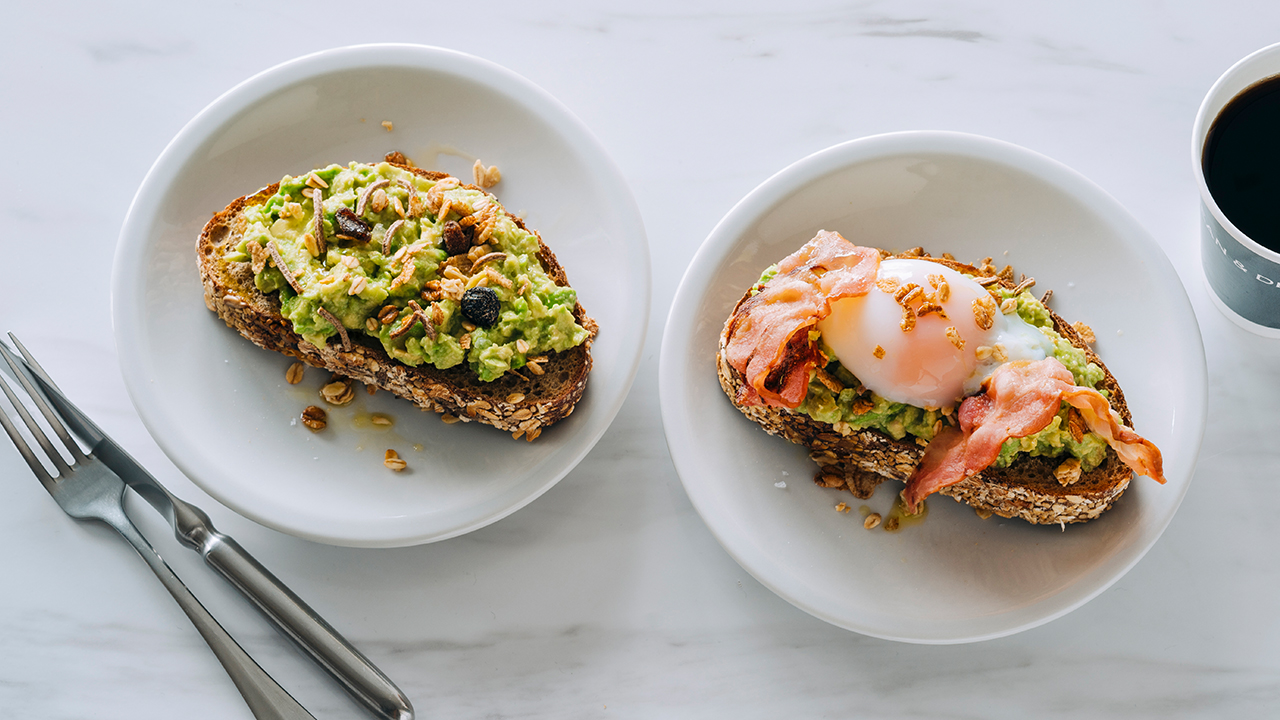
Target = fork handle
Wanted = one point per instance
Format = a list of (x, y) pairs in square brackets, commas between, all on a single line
[(266, 699), (307, 629)]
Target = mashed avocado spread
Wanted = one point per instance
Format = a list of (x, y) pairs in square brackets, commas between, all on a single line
[(860, 409), (407, 289)]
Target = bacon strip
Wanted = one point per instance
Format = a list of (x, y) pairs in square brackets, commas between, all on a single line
[(1021, 399), (768, 334), (1135, 451)]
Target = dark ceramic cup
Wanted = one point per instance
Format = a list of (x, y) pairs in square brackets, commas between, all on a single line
[(1242, 275)]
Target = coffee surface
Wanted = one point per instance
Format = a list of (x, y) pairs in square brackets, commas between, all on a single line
[(1242, 162)]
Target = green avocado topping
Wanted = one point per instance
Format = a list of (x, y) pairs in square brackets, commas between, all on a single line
[(867, 410), (407, 290)]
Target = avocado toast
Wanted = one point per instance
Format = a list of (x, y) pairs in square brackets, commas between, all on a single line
[(407, 280), (1055, 470)]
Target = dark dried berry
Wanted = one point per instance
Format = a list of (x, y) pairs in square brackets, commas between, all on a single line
[(350, 225), (480, 306), (456, 240)]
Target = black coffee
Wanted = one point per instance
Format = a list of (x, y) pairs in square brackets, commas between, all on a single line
[(1242, 162)]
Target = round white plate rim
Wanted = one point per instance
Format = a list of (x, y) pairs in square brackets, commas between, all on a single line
[(124, 294), (767, 195)]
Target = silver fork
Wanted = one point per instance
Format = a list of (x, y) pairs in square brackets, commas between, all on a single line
[(87, 489)]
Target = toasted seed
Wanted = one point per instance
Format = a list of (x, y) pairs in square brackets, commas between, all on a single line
[(1086, 332), (282, 266), (448, 419), (1009, 305), (358, 285), (830, 480), (1068, 472), (234, 301), (378, 200), (417, 206), (872, 521), (522, 346), (293, 375), (315, 418), (515, 397), (888, 285), (371, 325), (532, 434), (381, 420), (367, 195), (825, 378), (316, 181), (342, 330), (908, 322), (483, 258), (534, 368), (338, 392), (1026, 284), (393, 460), (984, 311), (312, 248), (497, 278)]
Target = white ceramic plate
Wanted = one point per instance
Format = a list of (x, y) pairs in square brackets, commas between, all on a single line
[(219, 406), (954, 577)]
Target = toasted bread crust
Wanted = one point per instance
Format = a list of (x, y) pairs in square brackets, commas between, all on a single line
[(861, 460), (229, 291)]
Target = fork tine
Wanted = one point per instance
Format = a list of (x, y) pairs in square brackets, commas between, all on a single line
[(54, 421), (24, 448), (63, 469)]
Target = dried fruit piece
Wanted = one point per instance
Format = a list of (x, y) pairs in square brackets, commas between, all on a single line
[(480, 306), (456, 240), (352, 226)]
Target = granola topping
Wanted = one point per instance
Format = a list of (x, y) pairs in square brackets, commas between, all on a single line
[(369, 237)]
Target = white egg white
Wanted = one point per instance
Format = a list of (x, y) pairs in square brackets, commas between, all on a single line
[(934, 364)]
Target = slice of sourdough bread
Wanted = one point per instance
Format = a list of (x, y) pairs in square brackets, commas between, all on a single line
[(521, 403), (862, 459)]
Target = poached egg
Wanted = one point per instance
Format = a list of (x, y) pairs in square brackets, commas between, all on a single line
[(926, 335)]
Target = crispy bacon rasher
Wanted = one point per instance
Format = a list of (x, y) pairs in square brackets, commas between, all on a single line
[(1021, 399), (768, 334)]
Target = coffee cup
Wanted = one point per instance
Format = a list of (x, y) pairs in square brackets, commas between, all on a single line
[(1239, 249)]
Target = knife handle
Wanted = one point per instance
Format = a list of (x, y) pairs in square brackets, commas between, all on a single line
[(293, 617)]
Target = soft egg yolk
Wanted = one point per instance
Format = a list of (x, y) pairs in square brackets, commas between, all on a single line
[(930, 362)]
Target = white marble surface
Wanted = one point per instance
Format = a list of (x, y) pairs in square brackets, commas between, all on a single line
[(607, 597)]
